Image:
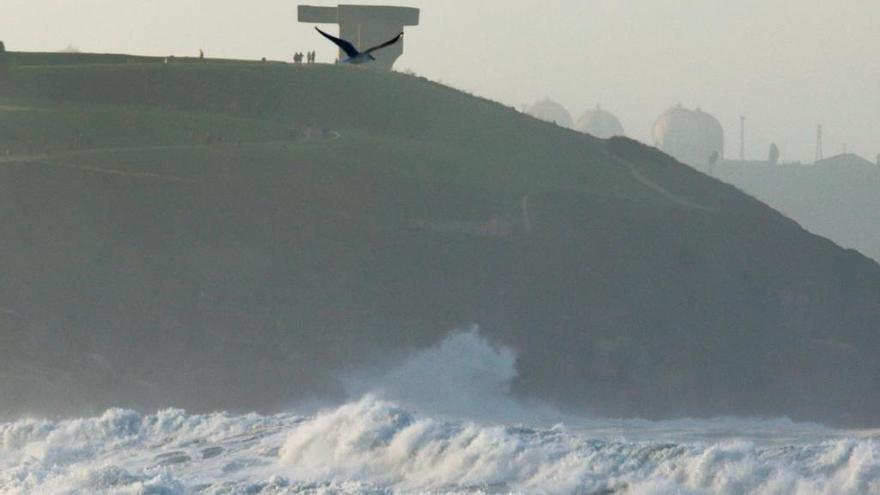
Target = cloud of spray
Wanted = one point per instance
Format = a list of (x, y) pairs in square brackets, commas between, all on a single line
[(463, 376), (397, 443)]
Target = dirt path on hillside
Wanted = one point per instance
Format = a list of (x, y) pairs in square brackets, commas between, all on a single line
[(52, 161), (650, 184), (58, 159)]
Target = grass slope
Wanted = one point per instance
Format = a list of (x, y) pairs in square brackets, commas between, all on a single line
[(189, 232)]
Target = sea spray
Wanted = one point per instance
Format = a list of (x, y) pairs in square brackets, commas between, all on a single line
[(375, 446), (376, 442), (392, 442), (463, 376)]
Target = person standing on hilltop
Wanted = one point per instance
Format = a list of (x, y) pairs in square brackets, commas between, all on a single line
[(773, 157)]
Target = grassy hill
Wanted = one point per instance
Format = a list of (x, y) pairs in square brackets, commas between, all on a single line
[(224, 234)]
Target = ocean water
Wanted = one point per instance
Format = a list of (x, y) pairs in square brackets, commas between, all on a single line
[(465, 438)]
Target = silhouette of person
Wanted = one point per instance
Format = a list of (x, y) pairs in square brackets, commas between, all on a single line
[(201, 54), (773, 156), (713, 157), (713, 160)]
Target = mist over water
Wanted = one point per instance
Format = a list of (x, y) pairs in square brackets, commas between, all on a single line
[(464, 376), (440, 421)]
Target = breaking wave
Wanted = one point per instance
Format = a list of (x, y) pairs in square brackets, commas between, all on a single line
[(379, 444), (463, 376), (374, 446)]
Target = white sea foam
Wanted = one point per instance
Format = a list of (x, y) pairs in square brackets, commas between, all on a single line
[(378, 445), (374, 446), (463, 376)]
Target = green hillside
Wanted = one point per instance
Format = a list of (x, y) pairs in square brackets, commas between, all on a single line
[(220, 234), (421, 117)]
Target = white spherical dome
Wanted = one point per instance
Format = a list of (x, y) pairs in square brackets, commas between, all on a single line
[(550, 111), (600, 123), (690, 136)]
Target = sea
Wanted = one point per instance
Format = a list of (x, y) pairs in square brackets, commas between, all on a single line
[(440, 421)]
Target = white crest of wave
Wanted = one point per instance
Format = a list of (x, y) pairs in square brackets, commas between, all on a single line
[(377, 442), (115, 453), (376, 446), (405, 441)]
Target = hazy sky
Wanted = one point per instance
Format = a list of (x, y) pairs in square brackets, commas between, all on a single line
[(785, 64)]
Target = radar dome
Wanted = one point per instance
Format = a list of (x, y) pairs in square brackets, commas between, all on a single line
[(550, 111), (600, 123), (691, 136)]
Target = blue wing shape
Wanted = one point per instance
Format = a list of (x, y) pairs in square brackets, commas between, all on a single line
[(387, 43), (347, 47)]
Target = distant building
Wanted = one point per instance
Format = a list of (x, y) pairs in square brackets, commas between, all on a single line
[(366, 26), (845, 160), (693, 137), (550, 111), (773, 155), (730, 169), (600, 123)]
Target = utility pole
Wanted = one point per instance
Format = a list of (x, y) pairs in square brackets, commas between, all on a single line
[(742, 138), (819, 154)]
